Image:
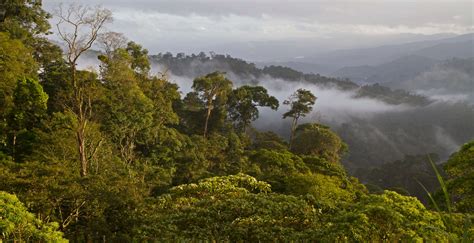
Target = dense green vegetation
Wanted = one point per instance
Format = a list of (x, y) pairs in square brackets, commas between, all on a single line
[(119, 155), (402, 176), (19, 224)]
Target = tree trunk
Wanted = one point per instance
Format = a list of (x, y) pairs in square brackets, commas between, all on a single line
[(209, 108), (293, 129), (81, 120), (14, 145), (80, 134)]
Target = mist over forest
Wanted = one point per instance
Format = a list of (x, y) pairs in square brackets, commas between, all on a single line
[(236, 121), (388, 123)]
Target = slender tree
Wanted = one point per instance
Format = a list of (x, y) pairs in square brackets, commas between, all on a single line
[(301, 103), (78, 28), (212, 89)]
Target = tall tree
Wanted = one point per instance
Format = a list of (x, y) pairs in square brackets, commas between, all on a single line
[(244, 102), (79, 27), (213, 90), (128, 113), (16, 62), (29, 107), (301, 103)]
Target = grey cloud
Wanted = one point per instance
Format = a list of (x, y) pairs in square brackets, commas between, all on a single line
[(388, 12)]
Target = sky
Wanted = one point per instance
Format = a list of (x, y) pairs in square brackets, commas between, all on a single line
[(237, 26)]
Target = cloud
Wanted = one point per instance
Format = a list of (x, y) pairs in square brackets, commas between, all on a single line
[(271, 26), (332, 105), (192, 26), (334, 11), (444, 139)]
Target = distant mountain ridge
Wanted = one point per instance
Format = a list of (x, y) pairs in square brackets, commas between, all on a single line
[(441, 48), (450, 78), (401, 69), (358, 64), (248, 73)]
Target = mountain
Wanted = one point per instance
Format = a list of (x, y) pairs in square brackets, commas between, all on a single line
[(301, 66), (464, 49), (459, 46), (452, 79), (291, 49), (400, 69)]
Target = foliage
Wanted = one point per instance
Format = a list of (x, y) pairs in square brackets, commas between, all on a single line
[(290, 174), (211, 156), (300, 104), (18, 224), (276, 167), (394, 97), (27, 113), (283, 72), (460, 183), (230, 208), (318, 140), (387, 217), (24, 19), (415, 168), (269, 140), (243, 103), (128, 112), (16, 62), (30, 104), (140, 63)]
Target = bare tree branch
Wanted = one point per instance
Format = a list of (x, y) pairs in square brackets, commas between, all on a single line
[(79, 28), (111, 41)]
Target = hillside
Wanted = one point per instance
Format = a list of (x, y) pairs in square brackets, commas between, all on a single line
[(452, 79)]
